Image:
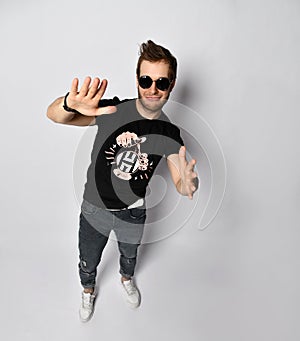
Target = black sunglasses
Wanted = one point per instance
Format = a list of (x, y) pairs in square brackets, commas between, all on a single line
[(162, 83)]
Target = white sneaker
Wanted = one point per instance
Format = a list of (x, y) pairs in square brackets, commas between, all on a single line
[(87, 306), (132, 294)]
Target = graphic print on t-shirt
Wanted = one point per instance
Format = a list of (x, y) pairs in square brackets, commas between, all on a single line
[(129, 159)]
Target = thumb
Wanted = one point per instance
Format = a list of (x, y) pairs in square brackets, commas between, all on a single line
[(106, 110), (182, 159)]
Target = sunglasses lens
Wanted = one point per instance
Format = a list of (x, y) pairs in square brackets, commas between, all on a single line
[(145, 82), (163, 84)]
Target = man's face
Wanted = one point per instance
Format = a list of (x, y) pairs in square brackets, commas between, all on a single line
[(153, 99)]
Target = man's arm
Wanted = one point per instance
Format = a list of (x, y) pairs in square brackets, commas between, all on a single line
[(58, 114), (85, 102), (182, 173)]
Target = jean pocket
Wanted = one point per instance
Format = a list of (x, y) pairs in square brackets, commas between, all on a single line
[(137, 213), (88, 208)]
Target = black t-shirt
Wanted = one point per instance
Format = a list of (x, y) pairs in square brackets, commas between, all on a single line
[(119, 173)]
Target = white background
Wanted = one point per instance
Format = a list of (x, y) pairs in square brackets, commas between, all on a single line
[(239, 69)]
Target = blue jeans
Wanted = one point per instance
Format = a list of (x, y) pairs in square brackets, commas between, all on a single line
[(94, 229)]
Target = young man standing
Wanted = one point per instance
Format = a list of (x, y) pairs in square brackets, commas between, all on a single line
[(133, 135)]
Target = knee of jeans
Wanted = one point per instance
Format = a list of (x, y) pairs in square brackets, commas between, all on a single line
[(128, 260), (84, 266)]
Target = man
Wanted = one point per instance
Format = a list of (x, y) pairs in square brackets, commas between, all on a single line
[(133, 136)]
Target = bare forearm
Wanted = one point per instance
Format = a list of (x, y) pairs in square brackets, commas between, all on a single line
[(57, 113)]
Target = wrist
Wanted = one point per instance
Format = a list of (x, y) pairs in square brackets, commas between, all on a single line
[(67, 108)]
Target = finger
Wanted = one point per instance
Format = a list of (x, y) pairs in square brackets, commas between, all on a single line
[(191, 182), (101, 90), (194, 175), (85, 86), (74, 87), (195, 184), (94, 88), (127, 137), (191, 193), (192, 187), (190, 166), (106, 110), (182, 159)]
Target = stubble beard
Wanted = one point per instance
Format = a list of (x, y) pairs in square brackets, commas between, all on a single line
[(155, 107)]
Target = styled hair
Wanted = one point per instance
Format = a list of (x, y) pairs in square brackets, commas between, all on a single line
[(154, 53)]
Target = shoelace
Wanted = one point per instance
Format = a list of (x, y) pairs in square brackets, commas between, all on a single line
[(130, 288), (87, 301)]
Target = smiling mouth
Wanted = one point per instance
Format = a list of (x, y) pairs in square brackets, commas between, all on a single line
[(152, 98)]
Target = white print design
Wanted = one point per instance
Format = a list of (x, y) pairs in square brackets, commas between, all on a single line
[(130, 159)]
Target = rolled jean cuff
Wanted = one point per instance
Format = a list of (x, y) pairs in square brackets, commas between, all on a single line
[(89, 286), (123, 274)]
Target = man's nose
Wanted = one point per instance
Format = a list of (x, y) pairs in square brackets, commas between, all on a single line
[(153, 89)]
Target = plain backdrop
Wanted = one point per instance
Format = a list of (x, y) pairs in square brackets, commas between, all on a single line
[(238, 279)]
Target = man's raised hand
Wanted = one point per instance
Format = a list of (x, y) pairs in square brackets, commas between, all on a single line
[(86, 100), (189, 180)]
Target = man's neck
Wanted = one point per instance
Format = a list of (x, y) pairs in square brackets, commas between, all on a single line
[(149, 115)]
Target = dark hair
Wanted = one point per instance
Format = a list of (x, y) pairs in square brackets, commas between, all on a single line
[(153, 53)]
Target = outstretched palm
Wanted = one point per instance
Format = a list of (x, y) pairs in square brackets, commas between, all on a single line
[(189, 180), (86, 100)]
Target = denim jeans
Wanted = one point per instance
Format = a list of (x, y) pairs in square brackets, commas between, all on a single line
[(94, 229)]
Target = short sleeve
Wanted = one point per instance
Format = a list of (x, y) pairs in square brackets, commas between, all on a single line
[(106, 103)]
